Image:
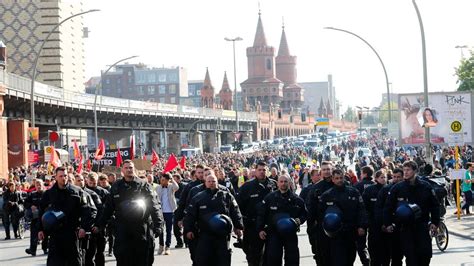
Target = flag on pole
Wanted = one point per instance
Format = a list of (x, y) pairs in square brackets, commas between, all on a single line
[(77, 151), (182, 162), (89, 166), (119, 158), (55, 160), (132, 146), (154, 158), (171, 164), (100, 152), (79, 165)]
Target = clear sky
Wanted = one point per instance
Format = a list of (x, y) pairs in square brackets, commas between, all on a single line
[(191, 33)]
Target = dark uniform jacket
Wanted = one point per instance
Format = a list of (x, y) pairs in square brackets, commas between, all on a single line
[(127, 191), (207, 203), (363, 184), (314, 198), (251, 195), (179, 213), (73, 202), (370, 200), (349, 201), (34, 199), (421, 193), (380, 203), (277, 203)]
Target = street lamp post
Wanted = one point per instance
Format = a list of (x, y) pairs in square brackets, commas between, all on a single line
[(99, 87), (191, 127), (235, 82), (35, 65), (429, 157), (381, 62)]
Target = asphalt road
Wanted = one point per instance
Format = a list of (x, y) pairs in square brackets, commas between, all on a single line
[(12, 252)]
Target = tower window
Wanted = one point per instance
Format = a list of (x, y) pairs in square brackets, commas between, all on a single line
[(269, 64)]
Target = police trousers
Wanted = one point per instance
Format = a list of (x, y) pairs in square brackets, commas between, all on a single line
[(274, 247), (212, 250), (416, 244), (342, 249), (64, 249), (377, 247), (323, 252), (252, 245), (132, 246), (34, 229)]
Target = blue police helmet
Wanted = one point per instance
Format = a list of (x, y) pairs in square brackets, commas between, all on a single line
[(219, 224), (332, 223), (286, 226), (407, 213), (133, 210), (52, 220)]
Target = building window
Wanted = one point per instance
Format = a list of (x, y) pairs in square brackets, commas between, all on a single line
[(151, 90), (119, 81), (244, 90), (274, 89), (129, 73), (107, 81), (172, 89), (151, 78), (162, 99), (119, 90), (288, 94), (173, 100), (161, 89), (198, 92), (130, 80), (130, 89), (140, 91), (173, 77), (162, 78), (269, 64)]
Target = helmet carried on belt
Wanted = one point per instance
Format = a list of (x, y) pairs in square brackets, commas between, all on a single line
[(332, 222), (53, 220), (407, 213), (133, 210), (284, 224), (219, 224)]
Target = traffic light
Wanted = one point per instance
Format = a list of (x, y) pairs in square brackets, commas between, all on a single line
[(359, 114), (279, 113)]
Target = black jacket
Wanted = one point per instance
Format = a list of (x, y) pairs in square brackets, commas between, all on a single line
[(251, 195), (370, 200), (277, 203), (179, 213), (314, 198), (12, 201)]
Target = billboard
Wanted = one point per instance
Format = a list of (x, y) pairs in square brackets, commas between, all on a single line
[(447, 110)]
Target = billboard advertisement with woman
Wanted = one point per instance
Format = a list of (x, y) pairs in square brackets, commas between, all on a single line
[(444, 109)]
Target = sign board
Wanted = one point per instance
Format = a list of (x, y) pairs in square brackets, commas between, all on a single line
[(453, 115), (322, 122), (427, 117), (141, 164), (33, 133), (457, 174), (190, 109), (228, 113), (48, 151), (110, 158), (33, 157)]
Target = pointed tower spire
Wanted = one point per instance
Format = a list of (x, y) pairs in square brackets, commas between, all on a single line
[(207, 79), (260, 39), (283, 50), (225, 83)]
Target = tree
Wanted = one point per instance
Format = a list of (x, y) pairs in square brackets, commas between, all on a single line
[(465, 73), (349, 115), (383, 118)]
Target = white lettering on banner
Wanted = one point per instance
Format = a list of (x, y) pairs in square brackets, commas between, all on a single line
[(189, 109), (114, 102), (457, 173), (167, 107), (228, 113), (47, 90)]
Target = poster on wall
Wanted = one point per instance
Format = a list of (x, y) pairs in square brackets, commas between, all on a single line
[(445, 110)]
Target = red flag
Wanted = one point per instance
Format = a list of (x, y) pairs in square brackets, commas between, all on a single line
[(100, 152), (77, 152), (89, 165), (54, 160), (171, 164), (132, 147), (154, 158), (79, 166), (144, 157), (119, 158), (182, 162)]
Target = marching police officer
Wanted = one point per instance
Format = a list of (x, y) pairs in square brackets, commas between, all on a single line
[(345, 202), (213, 212), (392, 253), (132, 201), (375, 240), (32, 206), (279, 218), (249, 198), (315, 230), (99, 238), (417, 211), (66, 216), (361, 242)]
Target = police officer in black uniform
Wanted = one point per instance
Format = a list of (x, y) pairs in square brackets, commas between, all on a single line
[(74, 214), (99, 238), (12, 205), (415, 234), (361, 242), (249, 198), (32, 206), (348, 201), (392, 253), (279, 218), (315, 229), (209, 218), (375, 240), (138, 218)]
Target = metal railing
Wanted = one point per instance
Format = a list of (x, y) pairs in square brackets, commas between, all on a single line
[(55, 95)]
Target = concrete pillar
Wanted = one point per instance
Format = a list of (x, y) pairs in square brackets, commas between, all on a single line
[(174, 143), (155, 141), (3, 138), (197, 140), (17, 143), (212, 141)]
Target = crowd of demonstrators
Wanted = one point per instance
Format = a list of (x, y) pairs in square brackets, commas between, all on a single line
[(262, 197)]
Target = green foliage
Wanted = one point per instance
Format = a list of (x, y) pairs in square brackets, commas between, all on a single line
[(350, 114), (384, 114), (465, 73)]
